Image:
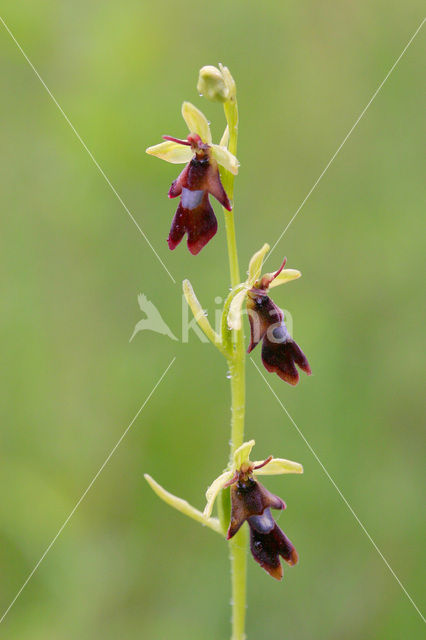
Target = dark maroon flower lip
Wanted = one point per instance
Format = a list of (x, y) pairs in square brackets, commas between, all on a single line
[(280, 353), (282, 357), (268, 542), (249, 498), (194, 214), (251, 502), (199, 222)]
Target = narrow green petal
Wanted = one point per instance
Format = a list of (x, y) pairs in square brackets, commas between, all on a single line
[(234, 314), (278, 466), (213, 491), (242, 454), (196, 122), (224, 141), (256, 262), (182, 505), (171, 152), (287, 275), (225, 158)]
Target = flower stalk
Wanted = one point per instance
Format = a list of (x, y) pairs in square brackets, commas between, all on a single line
[(238, 545), (243, 504)]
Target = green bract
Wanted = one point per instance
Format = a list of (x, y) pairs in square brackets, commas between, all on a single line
[(182, 505)]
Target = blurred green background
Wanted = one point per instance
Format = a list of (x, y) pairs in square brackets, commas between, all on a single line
[(127, 566)]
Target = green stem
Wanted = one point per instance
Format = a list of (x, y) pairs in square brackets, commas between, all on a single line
[(238, 545), (239, 580)]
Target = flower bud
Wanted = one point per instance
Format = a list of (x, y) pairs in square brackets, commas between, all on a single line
[(211, 84)]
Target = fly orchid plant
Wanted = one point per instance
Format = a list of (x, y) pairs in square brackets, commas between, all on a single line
[(238, 495)]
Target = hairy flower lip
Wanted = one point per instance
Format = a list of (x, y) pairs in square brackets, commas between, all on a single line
[(280, 353), (199, 223), (266, 549), (282, 358), (249, 498), (194, 215), (251, 502)]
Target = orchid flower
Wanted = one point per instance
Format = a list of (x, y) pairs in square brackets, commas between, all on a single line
[(199, 178), (251, 502)]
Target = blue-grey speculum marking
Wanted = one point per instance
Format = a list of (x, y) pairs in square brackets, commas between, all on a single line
[(191, 199)]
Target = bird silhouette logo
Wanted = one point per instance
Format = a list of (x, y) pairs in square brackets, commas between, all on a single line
[(153, 320)]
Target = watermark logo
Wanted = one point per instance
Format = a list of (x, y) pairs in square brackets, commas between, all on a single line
[(153, 321)]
